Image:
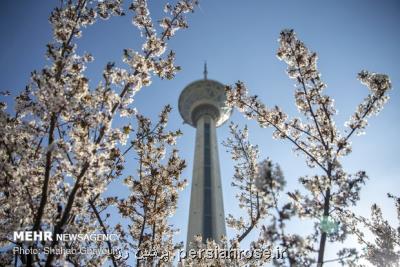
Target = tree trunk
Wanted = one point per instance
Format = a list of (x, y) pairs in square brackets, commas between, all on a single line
[(322, 242)]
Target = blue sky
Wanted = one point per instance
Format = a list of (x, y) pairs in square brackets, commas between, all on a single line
[(239, 41)]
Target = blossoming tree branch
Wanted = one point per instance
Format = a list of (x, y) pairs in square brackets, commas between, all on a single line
[(331, 191), (59, 149)]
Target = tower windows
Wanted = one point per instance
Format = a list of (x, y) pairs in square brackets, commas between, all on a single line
[(207, 219)]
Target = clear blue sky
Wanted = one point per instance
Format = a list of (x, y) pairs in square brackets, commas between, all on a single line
[(239, 40)]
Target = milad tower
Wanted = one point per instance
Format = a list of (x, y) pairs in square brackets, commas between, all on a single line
[(202, 105)]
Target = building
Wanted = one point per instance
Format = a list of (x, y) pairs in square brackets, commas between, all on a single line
[(202, 105)]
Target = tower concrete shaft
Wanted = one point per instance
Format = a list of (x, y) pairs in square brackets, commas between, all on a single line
[(206, 214), (202, 105)]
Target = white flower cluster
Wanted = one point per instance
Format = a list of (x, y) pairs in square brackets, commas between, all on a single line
[(316, 137), (379, 85), (59, 149)]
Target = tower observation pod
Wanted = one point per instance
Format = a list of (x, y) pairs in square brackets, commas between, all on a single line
[(202, 105)]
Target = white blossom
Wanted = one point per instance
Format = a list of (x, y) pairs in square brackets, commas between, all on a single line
[(331, 191), (59, 148)]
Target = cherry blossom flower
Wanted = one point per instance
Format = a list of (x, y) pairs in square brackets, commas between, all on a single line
[(332, 191), (59, 149)]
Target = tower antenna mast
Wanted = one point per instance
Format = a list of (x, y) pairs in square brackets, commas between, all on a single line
[(205, 72)]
